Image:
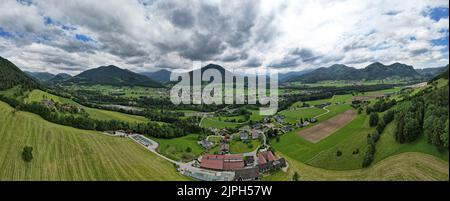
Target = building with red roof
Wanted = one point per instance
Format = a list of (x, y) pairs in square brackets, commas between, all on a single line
[(267, 161), (222, 162)]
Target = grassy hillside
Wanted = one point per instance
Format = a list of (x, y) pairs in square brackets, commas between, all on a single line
[(402, 167), (65, 153), (38, 96), (387, 146)]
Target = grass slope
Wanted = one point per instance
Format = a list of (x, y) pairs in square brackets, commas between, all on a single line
[(387, 146), (402, 167), (65, 153), (38, 96)]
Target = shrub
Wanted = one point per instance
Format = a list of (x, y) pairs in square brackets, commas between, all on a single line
[(338, 153), (27, 154), (373, 119), (295, 177)]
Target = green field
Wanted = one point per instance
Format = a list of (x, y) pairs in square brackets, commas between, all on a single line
[(293, 116), (409, 166), (323, 154), (176, 148), (122, 91), (38, 96), (65, 153), (210, 122), (353, 137), (238, 146)]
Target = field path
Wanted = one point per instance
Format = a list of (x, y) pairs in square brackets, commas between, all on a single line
[(327, 111)]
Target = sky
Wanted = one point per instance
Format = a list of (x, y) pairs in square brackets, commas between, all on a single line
[(146, 35)]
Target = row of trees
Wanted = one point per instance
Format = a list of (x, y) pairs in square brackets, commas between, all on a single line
[(373, 138), (161, 130), (381, 105)]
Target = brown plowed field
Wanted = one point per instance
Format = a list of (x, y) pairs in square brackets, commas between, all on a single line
[(325, 129)]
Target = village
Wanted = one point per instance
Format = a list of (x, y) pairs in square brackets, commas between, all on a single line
[(218, 163)]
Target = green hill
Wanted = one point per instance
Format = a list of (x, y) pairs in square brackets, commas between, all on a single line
[(40, 76), (11, 76), (58, 79), (162, 76), (65, 153), (112, 75)]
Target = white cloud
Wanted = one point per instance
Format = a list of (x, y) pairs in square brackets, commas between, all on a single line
[(170, 34)]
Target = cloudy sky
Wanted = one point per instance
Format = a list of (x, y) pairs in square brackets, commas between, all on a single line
[(146, 35)]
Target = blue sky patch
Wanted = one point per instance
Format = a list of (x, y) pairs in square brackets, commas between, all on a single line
[(5, 34), (440, 42), (83, 38), (438, 13)]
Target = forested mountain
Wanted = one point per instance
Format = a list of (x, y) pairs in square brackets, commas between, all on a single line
[(371, 72), (162, 76), (58, 79), (112, 75), (11, 76), (41, 76), (286, 76), (431, 72), (443, 74)]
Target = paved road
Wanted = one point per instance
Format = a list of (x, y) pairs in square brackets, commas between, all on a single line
[(153, 149)]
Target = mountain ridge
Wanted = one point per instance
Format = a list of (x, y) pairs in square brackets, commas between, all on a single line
[(112, 75), (373, 71)]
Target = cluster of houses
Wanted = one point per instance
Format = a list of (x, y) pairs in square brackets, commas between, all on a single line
[(248, 166), (245, 168)]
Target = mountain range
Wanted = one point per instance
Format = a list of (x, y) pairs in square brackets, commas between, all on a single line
[(162, 76), (373, 71), (113, 75), (40, 76)]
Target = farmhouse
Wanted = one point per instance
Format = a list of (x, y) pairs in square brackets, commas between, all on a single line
[(256, 133), (268, 162), (224, 148), (243, 135), (206, 144), (246, 174), (222, 162)]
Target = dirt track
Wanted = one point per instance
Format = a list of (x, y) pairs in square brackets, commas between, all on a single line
[(325, 129)]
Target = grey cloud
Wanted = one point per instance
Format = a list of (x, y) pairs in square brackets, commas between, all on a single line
[(419, 51), (295, 58), (182, 18), (253, 62)]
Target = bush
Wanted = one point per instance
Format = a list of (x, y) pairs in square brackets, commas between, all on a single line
[(373, 120), (295, 177), (189, 149), (27, 154), (380, 127), (338, 153)]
